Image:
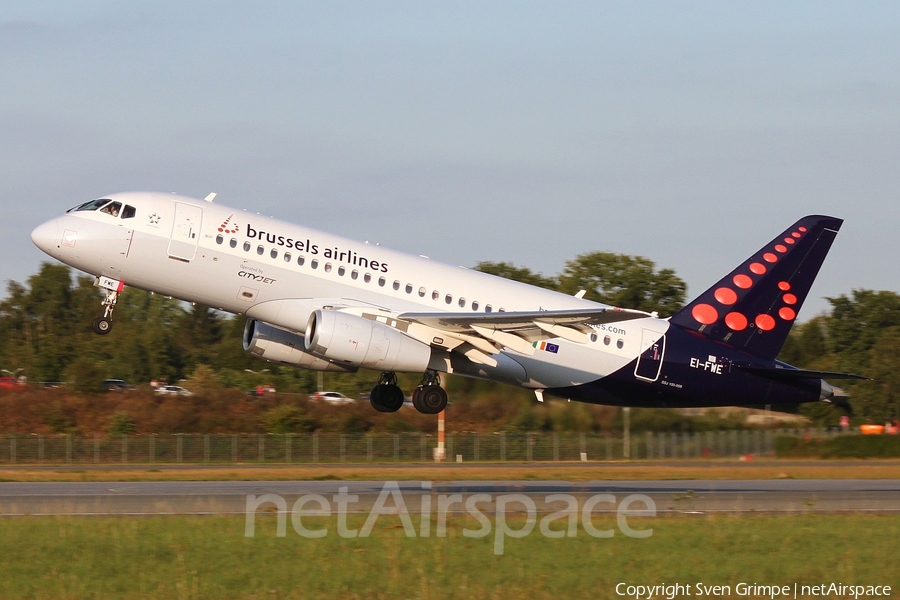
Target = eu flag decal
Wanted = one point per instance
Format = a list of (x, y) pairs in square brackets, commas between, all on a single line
[(546, 347)]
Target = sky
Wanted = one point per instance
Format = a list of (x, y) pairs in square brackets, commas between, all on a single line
[(690, 133)]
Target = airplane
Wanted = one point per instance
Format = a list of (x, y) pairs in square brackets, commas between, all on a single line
[(324, 302)]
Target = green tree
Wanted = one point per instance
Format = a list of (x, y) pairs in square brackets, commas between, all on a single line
[(625, 281), (522, 274), (878, 399)]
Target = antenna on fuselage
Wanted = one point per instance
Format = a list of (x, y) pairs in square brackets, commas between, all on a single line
[(211, 197)]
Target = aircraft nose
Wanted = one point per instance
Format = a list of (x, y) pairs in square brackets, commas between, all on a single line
[(46, 235)]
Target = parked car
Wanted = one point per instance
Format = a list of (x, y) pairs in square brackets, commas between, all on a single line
[(173, 390), (332, 397), (8, 383), (115, 385)]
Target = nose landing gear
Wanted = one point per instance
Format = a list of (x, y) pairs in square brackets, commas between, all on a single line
[(103, 325)]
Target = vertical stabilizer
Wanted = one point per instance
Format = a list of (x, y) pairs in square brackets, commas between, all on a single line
[(755, 305)]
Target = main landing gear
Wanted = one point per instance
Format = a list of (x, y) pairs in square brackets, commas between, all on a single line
[(429, 397), (386, 396), (103, 325)]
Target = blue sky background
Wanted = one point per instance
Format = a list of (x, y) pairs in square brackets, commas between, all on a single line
[(690, 133)]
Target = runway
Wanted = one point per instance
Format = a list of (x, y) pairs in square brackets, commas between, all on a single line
[(231, 497)]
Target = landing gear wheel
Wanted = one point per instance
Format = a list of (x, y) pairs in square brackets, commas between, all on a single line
[(101, 325), (386, 396), (392, 398), (430, 399)]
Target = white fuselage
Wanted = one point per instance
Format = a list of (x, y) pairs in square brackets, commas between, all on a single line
[(278, 272)]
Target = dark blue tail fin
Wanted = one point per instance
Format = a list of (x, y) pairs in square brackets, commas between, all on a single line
[(754, 307)]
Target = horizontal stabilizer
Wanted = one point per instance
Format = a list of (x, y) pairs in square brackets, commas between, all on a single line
[(792, 374)]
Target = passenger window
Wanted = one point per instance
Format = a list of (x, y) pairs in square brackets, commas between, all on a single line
[(341, 271), (273, 253), (396, 285), (421, 292), (593, 337), (260, 250), (475, 305), (620, 344), (502, 309), (462, 302), (301, 260), (448, 298), (488, 308), (409, 288), (233, 243), (435, 295), (381, 281), (606, 340), (128, 212), (246, 246), (314, 264), (219, 238), (328, 267), (367, 277), (354, 274), (287, 257)]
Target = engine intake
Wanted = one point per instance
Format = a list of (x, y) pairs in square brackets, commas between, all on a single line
[(278, 345), (354, 340)]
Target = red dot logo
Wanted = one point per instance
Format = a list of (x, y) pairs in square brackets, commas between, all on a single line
[(784, 286), (790, 299), (705, 314), (796, 235), (757, 268), (224, 226), (787, 313), (802, 229), (769, 257), (736, 321), (726, 296), (788, 240), (781, 248), (765, 322), (743, 281)]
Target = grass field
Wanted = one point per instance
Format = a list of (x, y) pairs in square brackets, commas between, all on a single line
[(209, 557), (448, 472)]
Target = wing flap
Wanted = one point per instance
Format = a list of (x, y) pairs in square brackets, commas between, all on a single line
[(522, 322)]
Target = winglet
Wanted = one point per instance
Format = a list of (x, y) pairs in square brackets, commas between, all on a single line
[(755, 305)]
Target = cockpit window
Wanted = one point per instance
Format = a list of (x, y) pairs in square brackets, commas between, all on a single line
[(91, 205), (128, 212), (113, 208)]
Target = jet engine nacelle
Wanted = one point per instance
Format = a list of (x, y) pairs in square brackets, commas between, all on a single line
[(353, 340), (278, 345)]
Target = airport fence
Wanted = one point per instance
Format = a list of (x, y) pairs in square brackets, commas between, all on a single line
[(388, 448)]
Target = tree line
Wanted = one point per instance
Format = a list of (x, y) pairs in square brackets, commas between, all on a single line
[(45, 334)]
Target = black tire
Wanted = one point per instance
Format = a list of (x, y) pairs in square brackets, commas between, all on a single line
[(384, 398), (392, 398), (101, 326), (432, 399), (417, 398)]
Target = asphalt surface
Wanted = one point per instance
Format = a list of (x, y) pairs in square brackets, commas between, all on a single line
[(233, 497)]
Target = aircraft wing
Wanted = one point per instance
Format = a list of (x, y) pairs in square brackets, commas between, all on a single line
[(488, 333)]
